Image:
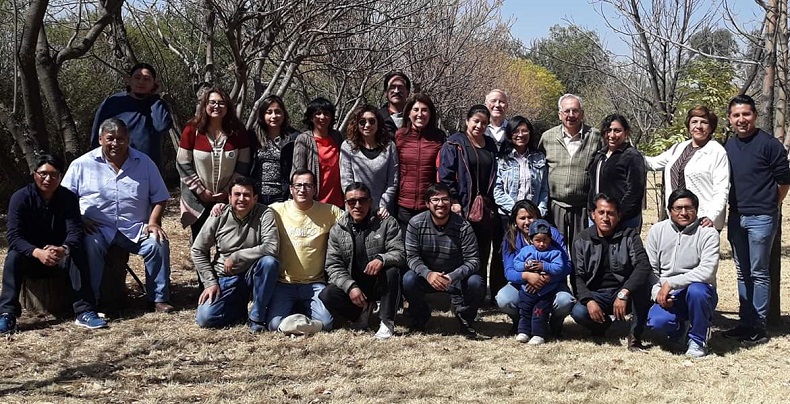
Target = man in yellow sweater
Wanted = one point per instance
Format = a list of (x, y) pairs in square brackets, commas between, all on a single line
[(304, 226)]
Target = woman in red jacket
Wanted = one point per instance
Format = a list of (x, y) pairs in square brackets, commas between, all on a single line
[(418, 142)]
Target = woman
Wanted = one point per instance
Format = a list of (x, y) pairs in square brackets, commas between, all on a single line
[(368, 156), (418, 143), (272, 142), (467, 165), (213, 150), (318, 150), (699, 165), (618, 170), (522, 173), (523, 213)]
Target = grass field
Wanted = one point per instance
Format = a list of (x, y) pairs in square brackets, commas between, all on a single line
[(149, 357)]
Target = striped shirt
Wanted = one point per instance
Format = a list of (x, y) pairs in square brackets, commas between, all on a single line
[(450, 250)]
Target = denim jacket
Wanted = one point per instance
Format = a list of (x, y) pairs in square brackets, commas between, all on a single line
[(507, 182)]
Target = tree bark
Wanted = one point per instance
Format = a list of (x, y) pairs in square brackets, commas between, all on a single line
[(31, 88)]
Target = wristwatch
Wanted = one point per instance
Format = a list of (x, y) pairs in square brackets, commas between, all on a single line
[(622, 295)]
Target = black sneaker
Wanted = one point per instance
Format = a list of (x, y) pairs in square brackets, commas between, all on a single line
[(468, 330), (738, 332), (756, 337)]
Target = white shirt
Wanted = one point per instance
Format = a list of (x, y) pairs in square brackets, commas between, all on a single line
[(572, 143)]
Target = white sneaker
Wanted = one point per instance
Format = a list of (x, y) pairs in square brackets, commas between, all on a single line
[(522, 337), (536, 340), (299, 324), (695, 350), (386, 330)]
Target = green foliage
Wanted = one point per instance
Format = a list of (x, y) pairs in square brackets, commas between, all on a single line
[(533, 91), (704, 82)]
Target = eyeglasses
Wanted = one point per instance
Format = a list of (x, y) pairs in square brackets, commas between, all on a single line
[(687, 208), (521, 133), (370, 121), (571, 111), (355, 201), (304, 185), (48, 174), (215, 103), (437, 201)]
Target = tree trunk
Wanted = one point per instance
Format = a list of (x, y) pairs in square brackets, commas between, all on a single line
[(31, 91)]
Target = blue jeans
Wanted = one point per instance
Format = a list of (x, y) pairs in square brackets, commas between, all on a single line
[(695, 303), (751, 238), (231, 306), (466, 296), (287, 299), (507, 300), (156, 257), (638, 305)]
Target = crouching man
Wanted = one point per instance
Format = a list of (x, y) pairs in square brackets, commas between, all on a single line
[(247, 242), (684, 257), (363, 261)]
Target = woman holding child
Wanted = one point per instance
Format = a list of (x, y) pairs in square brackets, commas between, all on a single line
[(522, 215)]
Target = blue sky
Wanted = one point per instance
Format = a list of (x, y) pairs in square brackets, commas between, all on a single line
[(532, 18)]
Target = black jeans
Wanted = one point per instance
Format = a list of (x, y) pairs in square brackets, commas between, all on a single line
[(638, 304), (19, 267), (386, 289), (496, 275)]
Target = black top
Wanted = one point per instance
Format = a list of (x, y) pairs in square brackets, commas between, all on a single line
[(34, 223), (621, 176)]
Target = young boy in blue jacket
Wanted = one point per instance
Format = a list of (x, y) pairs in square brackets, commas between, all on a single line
[(535, 305)]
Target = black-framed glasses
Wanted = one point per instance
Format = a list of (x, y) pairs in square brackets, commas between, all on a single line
[(48, 174), (437, 200), (357, 201), (215, 103), (303, 185), (681, 208)]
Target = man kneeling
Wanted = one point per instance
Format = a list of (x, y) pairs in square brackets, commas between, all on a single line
[(363, 261), (247, 242), (684, 257)]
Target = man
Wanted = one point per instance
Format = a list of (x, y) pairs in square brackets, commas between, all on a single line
[(759, 178), (441, 253), (496, 102), (146, 114), (569, 149), (304, 225), (612, 270), (397, 88), (684, 256), (363, 262), (44, 241), (247, 244), (122, 200)]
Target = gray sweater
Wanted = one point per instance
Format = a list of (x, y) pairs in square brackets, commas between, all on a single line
[(379, 174), (682, 257), (451, 250), (243, 241)]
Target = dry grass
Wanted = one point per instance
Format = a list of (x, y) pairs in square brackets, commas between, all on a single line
[(146, 357)]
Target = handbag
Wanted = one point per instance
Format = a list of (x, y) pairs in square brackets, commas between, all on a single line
[(478, 212)]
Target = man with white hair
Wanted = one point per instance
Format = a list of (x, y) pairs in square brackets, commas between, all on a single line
[(497, 104), (569, 149)]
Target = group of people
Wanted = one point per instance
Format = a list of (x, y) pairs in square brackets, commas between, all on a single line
[(424, 213)]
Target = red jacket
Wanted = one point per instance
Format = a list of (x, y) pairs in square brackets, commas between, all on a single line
[(417, 152)]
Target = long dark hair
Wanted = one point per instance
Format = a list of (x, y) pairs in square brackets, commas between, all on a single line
[(230, 122), (512, 125), (353, 133), (512, 232), (260, 124), (425, 99)]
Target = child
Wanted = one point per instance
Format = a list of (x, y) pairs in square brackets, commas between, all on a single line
[(547, 259)]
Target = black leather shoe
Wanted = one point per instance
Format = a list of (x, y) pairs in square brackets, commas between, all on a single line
[(634, 343)]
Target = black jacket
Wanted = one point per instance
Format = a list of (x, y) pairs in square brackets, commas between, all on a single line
[(389, 124), (622, 177), (628, 260), (32, 223)]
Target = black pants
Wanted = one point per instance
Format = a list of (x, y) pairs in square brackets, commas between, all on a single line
[(19, 267), (496, 276), (386, 289), (638, 305), (483, 232), (404, 215)]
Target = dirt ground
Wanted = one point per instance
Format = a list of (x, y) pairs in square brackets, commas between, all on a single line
[(148, 357)]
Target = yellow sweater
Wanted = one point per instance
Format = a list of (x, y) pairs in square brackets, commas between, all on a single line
[(303, 240)]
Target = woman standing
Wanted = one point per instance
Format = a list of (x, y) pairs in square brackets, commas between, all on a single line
[(523, 213), (272, 143), (318, 150), (213, 150), (368, 156), (618, 170), (699, 165), (418, 143), (522, 173), (467, 165)]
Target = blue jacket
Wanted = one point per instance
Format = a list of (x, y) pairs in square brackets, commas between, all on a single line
[(508, 181), (555, 263), (453, 170), (514, 276)]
